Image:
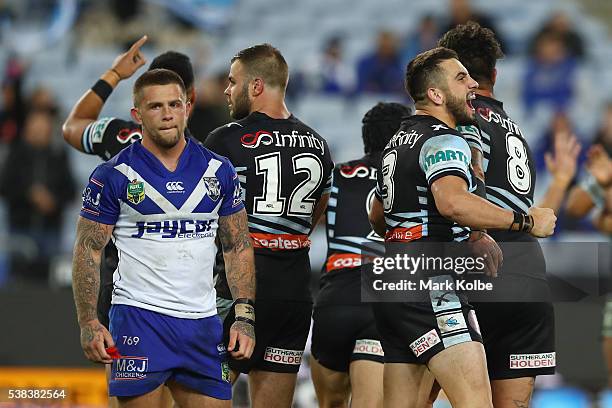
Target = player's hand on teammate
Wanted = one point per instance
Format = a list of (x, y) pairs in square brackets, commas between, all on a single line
[(599, 165), (544, 220), (482, 245), (127, 63), (562, 163), (94, 340), (242, 332)]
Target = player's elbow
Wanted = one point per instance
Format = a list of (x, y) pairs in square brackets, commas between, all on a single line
[(67, 131), (449, 208)]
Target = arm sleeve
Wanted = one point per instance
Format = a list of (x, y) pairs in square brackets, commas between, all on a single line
[(231, 191), (472, 136), (100, 200), (108, 136), (445, 155)]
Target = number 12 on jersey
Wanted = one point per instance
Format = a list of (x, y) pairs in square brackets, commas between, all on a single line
[(272, 201)]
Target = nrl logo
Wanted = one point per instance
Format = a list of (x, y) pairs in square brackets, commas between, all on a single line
[(135, 192), (213, 187)]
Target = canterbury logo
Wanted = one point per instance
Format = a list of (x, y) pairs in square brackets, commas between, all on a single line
[(174, 186)]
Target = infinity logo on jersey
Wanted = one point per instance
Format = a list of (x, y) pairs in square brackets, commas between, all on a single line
[(252, 141), (175, 187), (293, 139), (131, 368), (128, 135), (176, 229), (360, 171)]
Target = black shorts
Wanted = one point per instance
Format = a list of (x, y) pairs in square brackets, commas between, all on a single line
[(281, 331), (413, 333), (519, 338), (342, 334)]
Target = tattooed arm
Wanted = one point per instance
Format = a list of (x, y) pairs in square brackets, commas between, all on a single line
[(238, 254), (240, 271), (91, 238)]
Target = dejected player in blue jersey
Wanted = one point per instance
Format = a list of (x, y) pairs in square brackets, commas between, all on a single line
[(163, 200)]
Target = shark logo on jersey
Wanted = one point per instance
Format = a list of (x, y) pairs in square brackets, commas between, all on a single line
[(213, 187), (135, 192)]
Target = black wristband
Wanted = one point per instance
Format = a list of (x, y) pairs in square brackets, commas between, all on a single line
[(527, 223), (103, 89), (518, 222)]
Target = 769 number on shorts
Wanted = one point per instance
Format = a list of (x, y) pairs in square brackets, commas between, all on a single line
[(131, 340)]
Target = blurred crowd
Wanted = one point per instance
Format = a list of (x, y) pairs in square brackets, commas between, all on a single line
[(36, 180)]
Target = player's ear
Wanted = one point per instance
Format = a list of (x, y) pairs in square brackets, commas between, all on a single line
[(493, 76), (136, 115), (256, 87), (435, 95)]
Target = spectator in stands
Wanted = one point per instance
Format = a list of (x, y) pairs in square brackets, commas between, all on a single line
[(381, 71), (210, 109), (13, 107), (550, 75), (603, 136), (560, 124), (594, 189), (42, 98), (424, 38), (461, 12), (37, 184), (328, 73), (560, 25)]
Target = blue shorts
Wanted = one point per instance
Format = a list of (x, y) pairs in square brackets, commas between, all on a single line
[(156, 348)]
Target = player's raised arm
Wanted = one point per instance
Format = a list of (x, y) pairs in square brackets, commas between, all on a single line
[(240, 271), (91, 238), (89, 106)]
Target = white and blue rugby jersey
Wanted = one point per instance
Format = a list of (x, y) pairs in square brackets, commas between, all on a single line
[(165, 225)]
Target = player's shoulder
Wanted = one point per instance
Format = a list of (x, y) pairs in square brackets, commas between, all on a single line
[(227, 129), (486, 108)]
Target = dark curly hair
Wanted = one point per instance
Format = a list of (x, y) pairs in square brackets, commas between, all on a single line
[(176, 62), (380, 124), (477, 47)]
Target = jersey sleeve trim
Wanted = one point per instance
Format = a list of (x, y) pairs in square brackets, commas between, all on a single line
[(94, 133)]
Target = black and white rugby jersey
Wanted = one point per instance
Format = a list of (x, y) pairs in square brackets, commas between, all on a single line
[(349, 234), (423, 150), (510, 173), (510, 178), (284, 167)]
